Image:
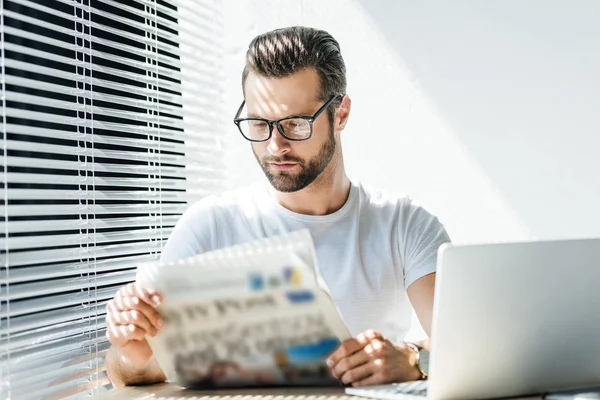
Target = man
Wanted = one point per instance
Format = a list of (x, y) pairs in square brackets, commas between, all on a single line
[(376, 253)]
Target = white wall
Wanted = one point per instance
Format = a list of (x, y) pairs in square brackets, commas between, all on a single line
[(486, 112)]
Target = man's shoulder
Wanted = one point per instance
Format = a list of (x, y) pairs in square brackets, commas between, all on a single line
[(377, 197), (402, 205)]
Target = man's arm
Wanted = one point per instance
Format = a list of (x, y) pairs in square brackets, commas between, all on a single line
[(121, 372), (371, 359), (421, 236), (131, 316), (420, 294)]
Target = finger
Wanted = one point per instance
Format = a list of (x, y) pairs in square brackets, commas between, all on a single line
[(375, 348), (135, 303), (373, 379), (351, 346), (121, 334), (373, 334), (362, 338), (348, 363), (134, 317), (346, 349), (150, 296), (357, 374)]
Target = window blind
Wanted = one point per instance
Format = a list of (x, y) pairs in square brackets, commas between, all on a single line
[(109, 131)]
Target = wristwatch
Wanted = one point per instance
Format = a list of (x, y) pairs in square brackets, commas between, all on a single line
[(422, 359)]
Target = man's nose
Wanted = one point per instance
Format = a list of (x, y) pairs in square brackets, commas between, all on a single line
[(278, 145)]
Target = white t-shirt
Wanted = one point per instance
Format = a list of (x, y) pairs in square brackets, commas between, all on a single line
[(368, 252)]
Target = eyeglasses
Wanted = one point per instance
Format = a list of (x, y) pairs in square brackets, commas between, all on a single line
[(295, 127)]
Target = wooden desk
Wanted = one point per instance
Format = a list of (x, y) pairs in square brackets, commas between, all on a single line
[(169, 391)]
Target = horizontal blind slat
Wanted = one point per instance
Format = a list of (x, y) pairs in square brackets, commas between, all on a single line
[(157, 157), (142, 13), (70, 106), (94, 209), (52, 317), (174, 62), (27, 162), (140, 52), (118, 100), (82, 239), (53, 194), (55, 332), (91, 223), (50, 271), (94, 25), (127, 128), (160, 82), (70, 254), (171, 72), (22, 291), (203, 141), (55, 301), (95, 11), (149, 157), (56, 347), (62, 350), (18, 177), (190, 172), (182, 29)]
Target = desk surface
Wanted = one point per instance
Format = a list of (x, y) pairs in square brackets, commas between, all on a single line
[(169, 391)]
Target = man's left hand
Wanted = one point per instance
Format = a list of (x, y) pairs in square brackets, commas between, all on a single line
[(371, 359)]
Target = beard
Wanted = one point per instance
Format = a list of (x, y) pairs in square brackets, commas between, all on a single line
[(288, 182)]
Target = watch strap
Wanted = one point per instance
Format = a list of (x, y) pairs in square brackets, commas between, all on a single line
[(418, 365)]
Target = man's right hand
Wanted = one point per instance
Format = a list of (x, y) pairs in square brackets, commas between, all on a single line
[(130, 316)]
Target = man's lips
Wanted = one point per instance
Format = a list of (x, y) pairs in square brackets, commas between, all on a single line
[(282, 166)]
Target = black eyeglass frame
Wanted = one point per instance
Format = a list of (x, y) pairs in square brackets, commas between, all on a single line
[(277, 122)]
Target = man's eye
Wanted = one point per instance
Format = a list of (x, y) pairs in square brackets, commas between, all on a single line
[(258, 124), (294, 124)]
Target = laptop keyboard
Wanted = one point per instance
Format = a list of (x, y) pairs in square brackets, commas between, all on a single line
[(394, 391)]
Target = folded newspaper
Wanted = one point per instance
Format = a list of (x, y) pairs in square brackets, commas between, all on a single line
[(255, 314)]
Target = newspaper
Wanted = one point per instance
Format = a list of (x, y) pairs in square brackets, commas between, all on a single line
[(255, 314)]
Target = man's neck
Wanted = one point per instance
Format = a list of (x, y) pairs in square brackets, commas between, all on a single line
[(327, 194)]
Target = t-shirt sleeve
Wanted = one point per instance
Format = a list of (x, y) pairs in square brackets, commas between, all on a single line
[(192, 233), (421, 235)]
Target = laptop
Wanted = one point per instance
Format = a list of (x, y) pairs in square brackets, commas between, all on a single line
[(510, 320)]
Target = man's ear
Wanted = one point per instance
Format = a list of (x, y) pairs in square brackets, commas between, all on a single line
[(342, 113)]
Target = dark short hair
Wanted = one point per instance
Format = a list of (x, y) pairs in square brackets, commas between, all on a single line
[(283, 52)]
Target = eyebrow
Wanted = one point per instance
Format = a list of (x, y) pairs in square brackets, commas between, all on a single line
[(254, 115)]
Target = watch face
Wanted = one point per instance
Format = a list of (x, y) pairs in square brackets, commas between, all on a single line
[(424, 360)]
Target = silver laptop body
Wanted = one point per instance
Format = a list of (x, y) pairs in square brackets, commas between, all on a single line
[(516, 318), (511, 319)]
